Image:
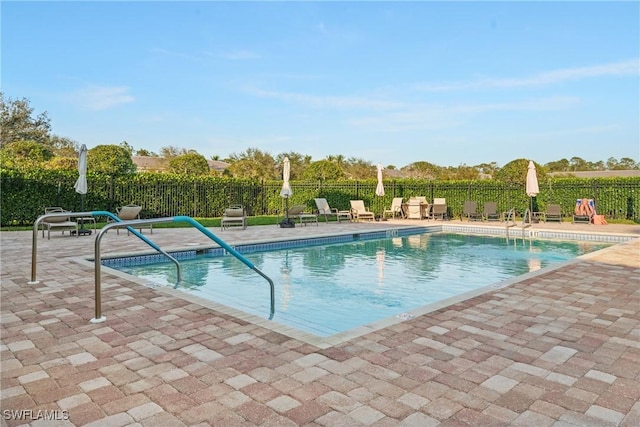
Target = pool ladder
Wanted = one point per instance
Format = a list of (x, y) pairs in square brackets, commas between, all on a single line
[(511, 221), (130, 226)]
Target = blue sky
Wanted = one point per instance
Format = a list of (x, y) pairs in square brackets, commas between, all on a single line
[(450, 83)]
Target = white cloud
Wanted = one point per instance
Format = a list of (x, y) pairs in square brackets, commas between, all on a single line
[(316, 101), (424, 117), (623, 68), (102, 97)]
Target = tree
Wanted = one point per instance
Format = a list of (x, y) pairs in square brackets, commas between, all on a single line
[(466, 172), (561, 165), (488, 168), (171, 151), (578, 164), (62, 163), (63, 147), (356, 168), (299, 163), (625, 163), (423, 170), (110, 159), (323, 170), (17, 123), (189, 164), (255, 164), (127, 146), (146, 153), (25, 154), (516, 172)]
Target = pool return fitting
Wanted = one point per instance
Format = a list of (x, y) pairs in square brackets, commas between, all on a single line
[(129, 225)]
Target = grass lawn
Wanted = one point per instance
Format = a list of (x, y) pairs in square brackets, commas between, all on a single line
[(258, 220)]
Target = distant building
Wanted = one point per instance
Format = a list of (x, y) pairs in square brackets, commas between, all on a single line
[(597, 174), (160, 164)]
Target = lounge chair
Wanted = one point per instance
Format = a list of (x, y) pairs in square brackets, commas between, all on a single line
[(439, 208), (553, 213), (298, 211), (324, 209), (359, 211), (490, 212), (470, 210), (584, 211), (395, 209), (234, 216), (62, 222), (130, 213)]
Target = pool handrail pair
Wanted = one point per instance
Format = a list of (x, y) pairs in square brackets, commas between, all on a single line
[(511, 216), (130, 226)]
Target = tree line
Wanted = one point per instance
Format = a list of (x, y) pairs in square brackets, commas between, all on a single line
[(26, 141)]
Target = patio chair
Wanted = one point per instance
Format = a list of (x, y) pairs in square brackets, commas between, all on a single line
[(359, 211), (584, 211), (553, 213), (470, 210), (298, 212), (395, 209), (63, 223), (490, 212), (234, 216), (439, 208), (129, 213), (324, 209)]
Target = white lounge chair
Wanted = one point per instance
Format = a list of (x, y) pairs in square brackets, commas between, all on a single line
[(395, 209), (234, 215), (129, 213), (324, 209), (359, 211), (62, 222), (298, 211)]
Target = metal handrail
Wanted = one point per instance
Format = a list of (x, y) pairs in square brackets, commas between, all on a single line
[(525, 223), (36, 225), (129, 224)]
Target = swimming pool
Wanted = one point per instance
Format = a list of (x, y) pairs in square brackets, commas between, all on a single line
[(325, 289)]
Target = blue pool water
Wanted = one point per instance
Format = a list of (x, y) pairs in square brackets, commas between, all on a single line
[(333, 288)]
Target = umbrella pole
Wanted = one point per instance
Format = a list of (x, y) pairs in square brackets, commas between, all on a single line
[(287, 222), (82, 231)]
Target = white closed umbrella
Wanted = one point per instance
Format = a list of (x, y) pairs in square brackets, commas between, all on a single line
[(286, 192), (531, 187), (286, 173), (380, 186), (81, 184)]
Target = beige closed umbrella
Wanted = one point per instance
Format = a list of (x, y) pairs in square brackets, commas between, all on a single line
[(81, 184), (531, 187), (286, 192), (380, 186)]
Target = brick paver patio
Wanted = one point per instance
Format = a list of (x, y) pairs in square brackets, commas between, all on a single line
[(558, 349)]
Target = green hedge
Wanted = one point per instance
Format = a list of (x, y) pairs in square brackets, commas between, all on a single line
[(26, 194)]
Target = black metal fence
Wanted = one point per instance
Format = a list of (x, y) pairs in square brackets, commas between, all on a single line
[(25, 197)]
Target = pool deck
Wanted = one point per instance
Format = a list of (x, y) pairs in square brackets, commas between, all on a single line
[(560, 347)]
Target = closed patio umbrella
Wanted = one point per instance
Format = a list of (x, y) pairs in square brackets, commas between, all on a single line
[(531, 188), (380, 186), (286, 192), (81, 183)]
